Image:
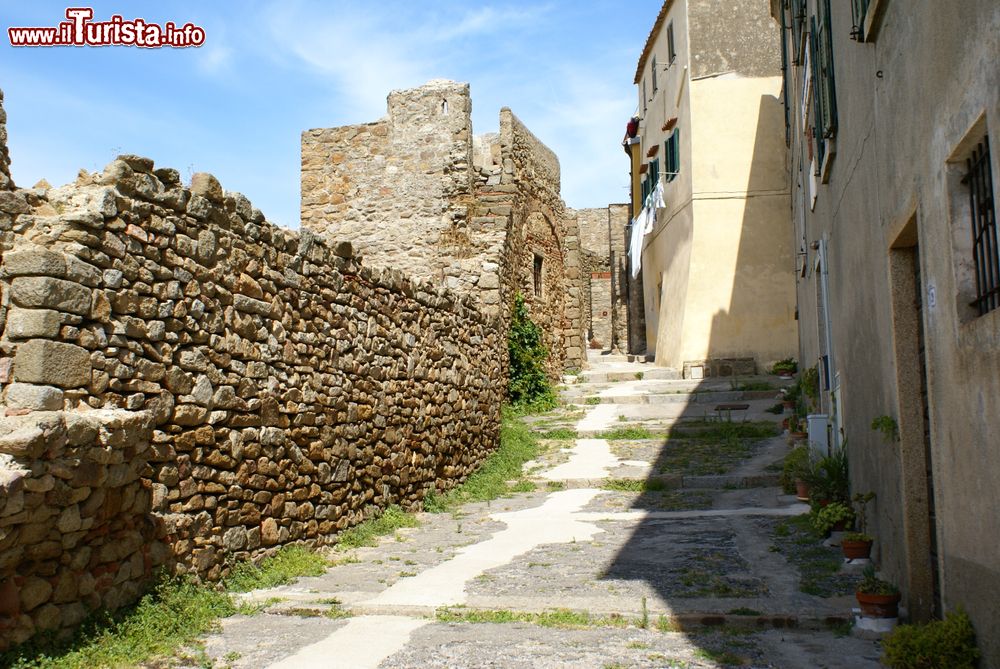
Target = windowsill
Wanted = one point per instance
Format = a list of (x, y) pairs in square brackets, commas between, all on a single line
[(981, 333), (827, 166)]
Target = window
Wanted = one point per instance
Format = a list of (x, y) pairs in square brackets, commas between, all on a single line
[(654, 173), (671, 52), (798, 12), (825, 97), (985, 252), (672, 155), (537, 274), (653, 72), (644, 95)]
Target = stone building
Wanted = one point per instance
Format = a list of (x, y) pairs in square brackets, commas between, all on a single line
[(894, 220), (417, 191), (716, 265), (603, 242)]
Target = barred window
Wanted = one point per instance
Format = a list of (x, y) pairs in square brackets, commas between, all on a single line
[(985, 252)]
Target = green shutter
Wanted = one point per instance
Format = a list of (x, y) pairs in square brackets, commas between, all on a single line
[(676, 140), (827, 87)]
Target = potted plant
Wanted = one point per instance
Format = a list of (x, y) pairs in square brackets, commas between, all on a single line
[(785, 368), (830, 480), (790, 396), (858, 545), (795, 473), (797, 428), (877, 598), (833, 516)]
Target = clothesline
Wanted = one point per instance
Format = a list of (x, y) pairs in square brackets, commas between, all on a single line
[(643, 224)]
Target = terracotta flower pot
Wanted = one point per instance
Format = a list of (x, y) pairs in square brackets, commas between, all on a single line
[(801, 490), (856, 550), (878, 606)]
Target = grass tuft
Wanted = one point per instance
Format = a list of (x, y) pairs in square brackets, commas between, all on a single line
[(630, 433), (283, 567), (518, 444), (367, 533)]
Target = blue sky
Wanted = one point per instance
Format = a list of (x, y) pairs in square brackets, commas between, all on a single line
[(269, 70)]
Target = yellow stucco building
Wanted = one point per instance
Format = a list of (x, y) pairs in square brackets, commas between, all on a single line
[(716, 266)]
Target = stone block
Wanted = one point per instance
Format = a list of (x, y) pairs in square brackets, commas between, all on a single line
[(48, 293), (52, 363), (207, 186), (34, 262), (30, 323), (35, 398)]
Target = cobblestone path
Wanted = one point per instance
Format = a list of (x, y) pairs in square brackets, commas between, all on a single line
[(656, 536)]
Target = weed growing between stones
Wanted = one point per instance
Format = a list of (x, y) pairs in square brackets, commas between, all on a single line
[(283, 567), (559, 433), (562, 618), (517, 445), (626, 433), (818, 565), (368, 532), (634, 485), (170, 617), (529, 389)]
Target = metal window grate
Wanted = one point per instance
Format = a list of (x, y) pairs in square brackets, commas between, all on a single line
[(985, 251)]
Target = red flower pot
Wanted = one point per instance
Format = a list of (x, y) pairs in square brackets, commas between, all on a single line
[(801, 490), (878, 606), (856, 550)]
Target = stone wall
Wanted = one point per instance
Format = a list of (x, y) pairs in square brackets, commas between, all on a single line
[(417, 191), (293, 391), (5, 181), (602, 231), (76, 529), (399, 188)]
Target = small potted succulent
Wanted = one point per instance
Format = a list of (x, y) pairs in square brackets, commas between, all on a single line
[(858, 545), (877, 598)]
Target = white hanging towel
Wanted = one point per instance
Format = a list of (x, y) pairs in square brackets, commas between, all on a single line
[(643, 225)]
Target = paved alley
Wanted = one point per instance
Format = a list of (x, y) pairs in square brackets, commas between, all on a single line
[(655, 535)]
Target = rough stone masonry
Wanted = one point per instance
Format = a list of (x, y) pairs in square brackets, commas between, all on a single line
[(187, 385)]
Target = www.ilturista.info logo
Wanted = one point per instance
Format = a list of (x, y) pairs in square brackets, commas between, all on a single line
[(80, 30)]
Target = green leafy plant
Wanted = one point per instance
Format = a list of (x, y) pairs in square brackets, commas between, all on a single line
[(941, 644), (529, 386), (796, 465), (825, 518), (786, 366), (829, 479), (873, 585), (860, 502), (887, 426), (810, 385), (793, 392)]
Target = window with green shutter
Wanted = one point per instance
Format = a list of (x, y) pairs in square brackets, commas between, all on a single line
[(671, 52), (797, 8), (654, 173), (672, 155), (824, 86)]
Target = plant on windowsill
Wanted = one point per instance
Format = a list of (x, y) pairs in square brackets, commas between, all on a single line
[(858, 545), (877, 598)]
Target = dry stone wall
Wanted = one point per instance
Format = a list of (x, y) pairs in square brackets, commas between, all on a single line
[(76, 527), (5, 181), (417, 190), (292, 390)]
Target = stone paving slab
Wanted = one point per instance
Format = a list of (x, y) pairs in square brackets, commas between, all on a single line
[(625, 530)]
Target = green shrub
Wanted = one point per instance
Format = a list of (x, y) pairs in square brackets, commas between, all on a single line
[(830, 479), (529, 385), (942, 644), (824, 518), (786, 366)]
